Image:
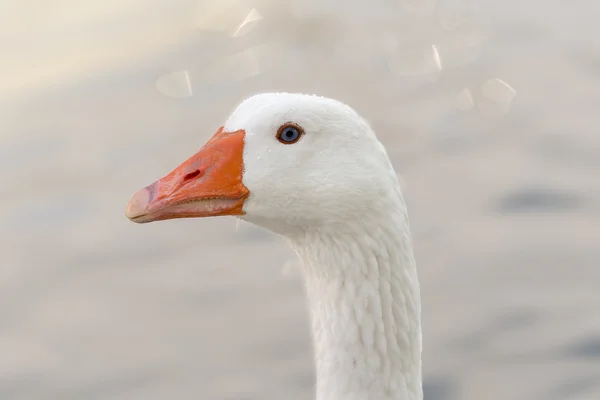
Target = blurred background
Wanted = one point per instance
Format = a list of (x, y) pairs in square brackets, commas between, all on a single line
[(489, 111)]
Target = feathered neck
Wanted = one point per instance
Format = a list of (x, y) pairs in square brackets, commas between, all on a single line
[(365, 307)]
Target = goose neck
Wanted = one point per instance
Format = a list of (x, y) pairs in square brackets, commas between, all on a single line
[(365, 310)]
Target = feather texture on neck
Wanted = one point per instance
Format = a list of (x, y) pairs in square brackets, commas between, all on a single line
[(365, 308)]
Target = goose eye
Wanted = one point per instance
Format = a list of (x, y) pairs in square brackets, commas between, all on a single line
[(289, 133)]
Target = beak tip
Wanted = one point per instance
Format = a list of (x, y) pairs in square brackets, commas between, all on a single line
[(138, 204)]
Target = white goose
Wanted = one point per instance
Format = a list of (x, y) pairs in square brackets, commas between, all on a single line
[(311, 169)]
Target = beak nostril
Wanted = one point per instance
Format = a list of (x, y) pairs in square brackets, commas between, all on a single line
[(191, 175)]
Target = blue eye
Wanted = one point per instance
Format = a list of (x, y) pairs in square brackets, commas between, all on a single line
[(289, 133)]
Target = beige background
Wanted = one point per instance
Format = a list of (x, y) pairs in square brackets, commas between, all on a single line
[(99, 98)]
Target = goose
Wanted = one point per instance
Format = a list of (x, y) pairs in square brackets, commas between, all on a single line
[(312, 170)]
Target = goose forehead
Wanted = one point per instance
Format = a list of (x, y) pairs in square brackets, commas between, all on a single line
[(283, 106)]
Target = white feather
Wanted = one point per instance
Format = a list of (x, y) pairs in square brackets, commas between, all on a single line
[(336, 198)]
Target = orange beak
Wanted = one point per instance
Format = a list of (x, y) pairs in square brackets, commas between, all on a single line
[(207, 184)]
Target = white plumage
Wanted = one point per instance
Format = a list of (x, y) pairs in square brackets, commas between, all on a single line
[(337, 199)]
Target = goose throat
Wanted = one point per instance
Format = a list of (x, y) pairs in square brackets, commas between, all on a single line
[(365, 311)]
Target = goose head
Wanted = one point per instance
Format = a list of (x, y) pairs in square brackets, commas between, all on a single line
[(286, 162), (311, 169)]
